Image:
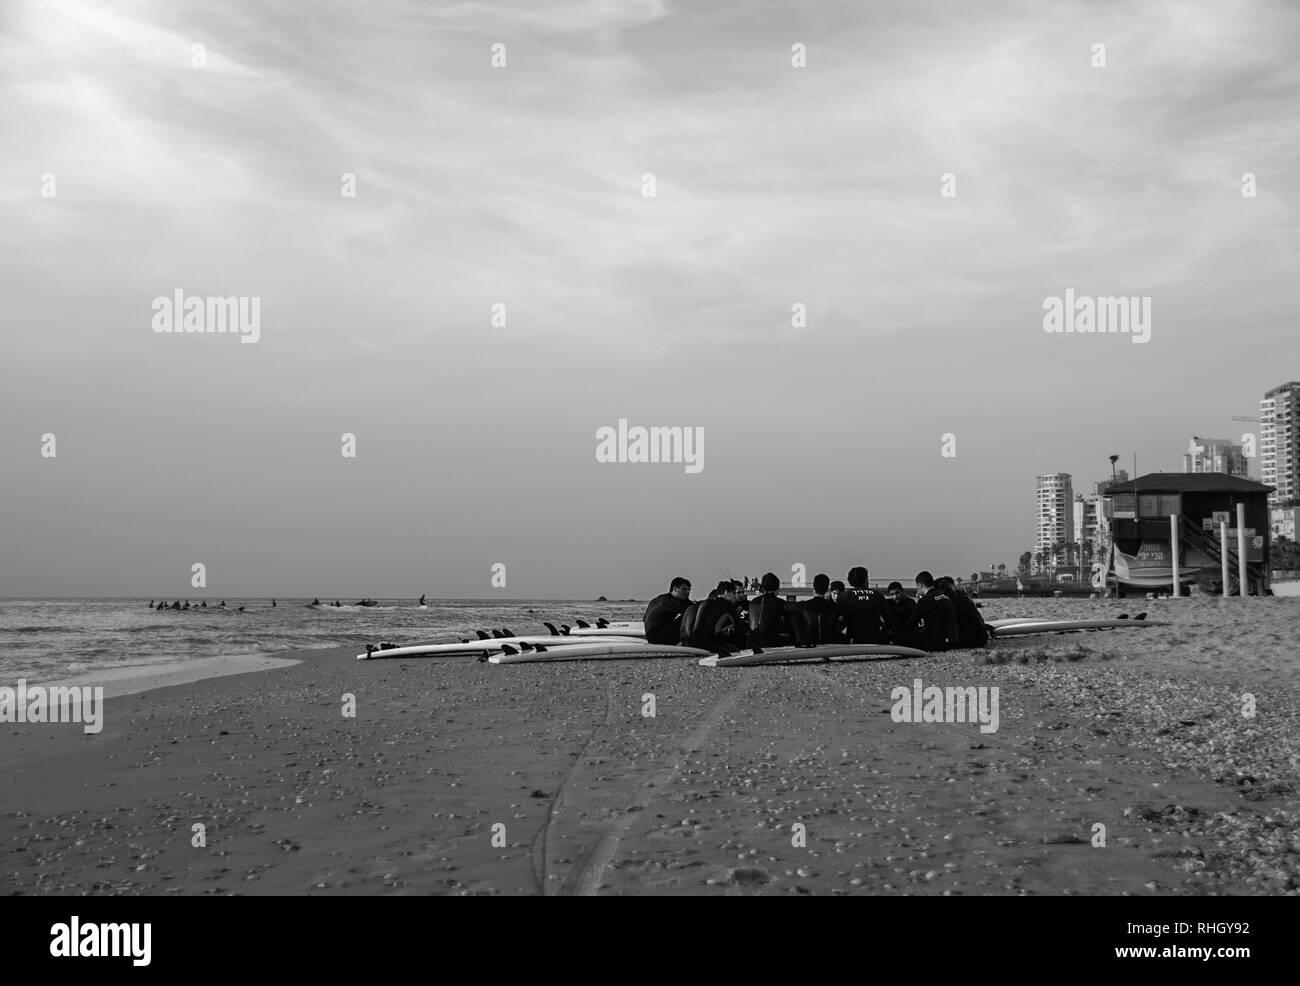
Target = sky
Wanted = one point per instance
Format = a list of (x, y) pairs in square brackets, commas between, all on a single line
[(219, 171)]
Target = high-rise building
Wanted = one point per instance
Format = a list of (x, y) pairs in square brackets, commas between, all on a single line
[(1087, 516), (1279, 444), (1215, 455), (1055, 511)]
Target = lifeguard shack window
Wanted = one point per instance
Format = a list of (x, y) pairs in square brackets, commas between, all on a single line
[(1157, 504)]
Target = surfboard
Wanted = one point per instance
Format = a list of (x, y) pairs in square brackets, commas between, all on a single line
[(492, 645), (823, 652), (1012, 620), (1060, 626), (609, 631), (604, 624), (623, 650)]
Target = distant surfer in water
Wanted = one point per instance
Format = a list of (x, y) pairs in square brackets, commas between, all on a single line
[(273, 604), (663, 616), (422, 599), (316, 601)]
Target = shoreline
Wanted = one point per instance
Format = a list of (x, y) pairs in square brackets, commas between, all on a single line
[(133, 679)]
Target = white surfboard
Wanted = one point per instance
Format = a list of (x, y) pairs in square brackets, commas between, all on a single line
[(1060, 626), (609, 631), (1013, 620), (824, 652), (623, 650), (490, 646)]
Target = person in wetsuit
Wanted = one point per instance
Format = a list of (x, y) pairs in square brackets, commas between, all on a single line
[(820, 620), (933, 623), (663, 615), (865, 614), (768, 622), (714, 623), (971, 631), (899, 604)]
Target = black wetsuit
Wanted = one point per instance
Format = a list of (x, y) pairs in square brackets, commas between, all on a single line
[(702, 622), (823, 621), (900, 611), (971, 631), (933, 624), (866, 615), (768, 624), (663, 619)]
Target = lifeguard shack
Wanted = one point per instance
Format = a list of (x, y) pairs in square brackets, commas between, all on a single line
[(1173, 528)]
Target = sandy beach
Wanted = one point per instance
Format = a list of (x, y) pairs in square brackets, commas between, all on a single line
[(461, 777)]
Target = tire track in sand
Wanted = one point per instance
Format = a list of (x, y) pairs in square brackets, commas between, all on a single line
[(540, 840), (584, 879)]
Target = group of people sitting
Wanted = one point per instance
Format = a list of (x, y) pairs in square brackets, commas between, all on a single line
[(940, 617)]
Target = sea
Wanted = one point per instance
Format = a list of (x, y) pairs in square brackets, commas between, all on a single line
[(48, 639)]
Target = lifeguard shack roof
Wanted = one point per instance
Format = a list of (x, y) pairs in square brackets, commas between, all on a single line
[(1188, 482)]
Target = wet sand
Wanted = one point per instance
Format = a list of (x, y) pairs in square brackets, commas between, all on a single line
[(460, 777)]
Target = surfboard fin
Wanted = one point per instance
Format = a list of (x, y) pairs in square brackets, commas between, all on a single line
[(1140, 616), (482, 635), (583, 624), (507, 631), (551, 627), (370, 649), (525, 647), (507, 649), (602, 623), (541, 648), (564, 629), (497, 634)]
